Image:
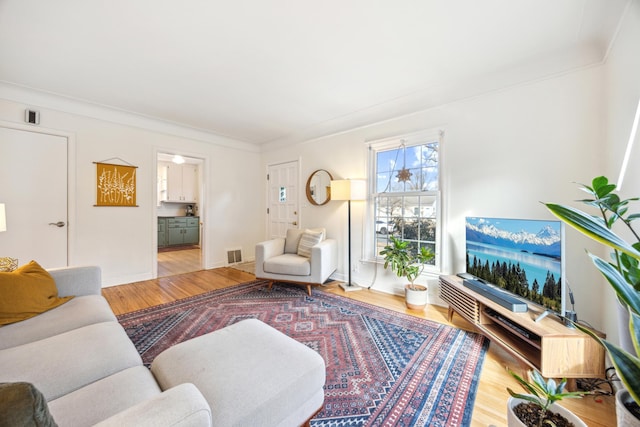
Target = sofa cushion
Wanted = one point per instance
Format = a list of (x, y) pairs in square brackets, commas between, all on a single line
[(66, 362), (26, 292), (77, 280), (308, 240), (105, 397), (250, 373), (179, 406), (289, 264), (21, 404), (79, 312)]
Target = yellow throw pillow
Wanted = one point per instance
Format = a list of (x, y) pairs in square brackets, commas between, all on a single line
[(26, 292)]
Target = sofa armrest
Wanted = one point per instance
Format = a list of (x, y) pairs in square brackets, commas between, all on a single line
[(324, 259), (265, 250), (182, 405), (270, 248), (77, 281)]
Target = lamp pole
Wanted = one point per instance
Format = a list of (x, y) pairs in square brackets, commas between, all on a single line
[(349, 238)]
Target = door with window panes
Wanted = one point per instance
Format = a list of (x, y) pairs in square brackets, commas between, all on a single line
[(283, 198), (407, 192)]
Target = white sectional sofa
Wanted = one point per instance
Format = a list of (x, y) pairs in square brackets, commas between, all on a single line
[(81, 360)]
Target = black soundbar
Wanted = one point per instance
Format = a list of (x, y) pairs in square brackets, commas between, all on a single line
[(496, 295)]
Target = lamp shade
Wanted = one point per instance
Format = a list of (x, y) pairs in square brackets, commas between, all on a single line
[(348, 189), (3, 218)]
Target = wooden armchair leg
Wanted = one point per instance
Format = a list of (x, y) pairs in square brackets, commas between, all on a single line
[(309, 289), (269, 285)]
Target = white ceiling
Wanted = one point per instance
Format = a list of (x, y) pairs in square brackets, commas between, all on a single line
[(264, 71)]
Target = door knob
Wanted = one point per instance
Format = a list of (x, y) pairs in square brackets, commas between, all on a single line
[(58, 224), (295, 223)]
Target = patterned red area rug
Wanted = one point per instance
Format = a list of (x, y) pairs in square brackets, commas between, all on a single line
[(383, 367)]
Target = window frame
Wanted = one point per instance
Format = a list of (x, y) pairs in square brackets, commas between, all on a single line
[(375, 146)]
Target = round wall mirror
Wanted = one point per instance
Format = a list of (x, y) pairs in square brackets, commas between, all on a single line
[(319, 187)]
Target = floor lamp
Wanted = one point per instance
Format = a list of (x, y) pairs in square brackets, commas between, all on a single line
[(349, 189)]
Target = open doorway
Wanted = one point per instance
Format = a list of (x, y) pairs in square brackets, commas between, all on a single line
[(179, 214)]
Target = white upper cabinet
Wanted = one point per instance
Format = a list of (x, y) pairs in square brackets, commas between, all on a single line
[(181, 183)]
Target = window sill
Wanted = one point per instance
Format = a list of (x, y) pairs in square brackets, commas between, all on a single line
[(428, 272)]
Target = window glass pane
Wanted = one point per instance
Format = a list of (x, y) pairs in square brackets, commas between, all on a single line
[(406, 196), (386, 160), (386, 170), (405, 169), (430, 170)]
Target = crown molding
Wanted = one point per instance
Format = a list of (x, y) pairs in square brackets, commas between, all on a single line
[(39, 99)]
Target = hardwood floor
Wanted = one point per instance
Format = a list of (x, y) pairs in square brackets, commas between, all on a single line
[(491, 398), (175, 262)]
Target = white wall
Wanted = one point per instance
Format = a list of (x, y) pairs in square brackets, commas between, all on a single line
[(502, 154), (122, 240), (622, 84)]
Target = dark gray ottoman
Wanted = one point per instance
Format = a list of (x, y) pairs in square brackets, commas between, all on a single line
[(250, 373)]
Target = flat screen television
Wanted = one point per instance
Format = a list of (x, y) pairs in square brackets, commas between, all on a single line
[(522, 256)]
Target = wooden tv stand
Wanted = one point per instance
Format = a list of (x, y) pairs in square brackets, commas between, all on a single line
[(548, 346)]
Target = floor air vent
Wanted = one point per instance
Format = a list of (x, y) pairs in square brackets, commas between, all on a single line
[(234, 256)]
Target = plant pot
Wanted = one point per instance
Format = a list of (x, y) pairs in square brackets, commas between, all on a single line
[(626, 343), (416, 296), (625, 417), (514, 421)]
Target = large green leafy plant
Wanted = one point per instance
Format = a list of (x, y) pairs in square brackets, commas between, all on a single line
[(403, 261), (621, 272)]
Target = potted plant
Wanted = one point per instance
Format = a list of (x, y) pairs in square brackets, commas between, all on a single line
[(538, 407), (623, 274), (405, 263)]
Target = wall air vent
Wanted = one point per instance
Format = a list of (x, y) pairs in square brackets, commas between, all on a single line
[(234, 256)]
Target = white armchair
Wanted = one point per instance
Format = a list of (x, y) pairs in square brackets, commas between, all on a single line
[(305, 257)]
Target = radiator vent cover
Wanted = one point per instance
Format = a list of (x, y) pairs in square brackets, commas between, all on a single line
[(234, 256)]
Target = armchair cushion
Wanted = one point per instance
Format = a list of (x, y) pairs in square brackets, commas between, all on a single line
[(292, 240), (288, 264), (308, 240)]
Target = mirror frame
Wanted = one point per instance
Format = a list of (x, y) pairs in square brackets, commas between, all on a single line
[(308, 187)]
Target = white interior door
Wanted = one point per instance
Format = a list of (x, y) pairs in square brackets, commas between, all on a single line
[(33, 187), (283, 198)]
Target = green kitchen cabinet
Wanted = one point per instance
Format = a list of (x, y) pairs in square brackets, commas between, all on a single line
[(183, 231), (162, 232)]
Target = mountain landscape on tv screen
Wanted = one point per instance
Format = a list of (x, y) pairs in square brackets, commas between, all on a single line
[(521, 256), (546, 241)]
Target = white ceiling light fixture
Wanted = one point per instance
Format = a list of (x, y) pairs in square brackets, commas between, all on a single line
[(627, 153), (178, 159)]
